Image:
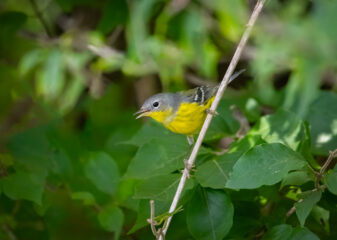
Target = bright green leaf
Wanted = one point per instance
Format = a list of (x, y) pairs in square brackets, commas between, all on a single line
[(51, 79), (283, 127), (265, 164)]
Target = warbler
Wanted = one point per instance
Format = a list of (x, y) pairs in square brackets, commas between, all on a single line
[(182, 112)]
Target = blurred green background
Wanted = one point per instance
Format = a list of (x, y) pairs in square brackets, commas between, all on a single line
[(75, 164)]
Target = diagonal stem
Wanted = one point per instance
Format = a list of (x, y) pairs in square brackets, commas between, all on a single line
[(218, 96)]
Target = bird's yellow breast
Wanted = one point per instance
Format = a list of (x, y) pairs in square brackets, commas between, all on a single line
[(188, 119)]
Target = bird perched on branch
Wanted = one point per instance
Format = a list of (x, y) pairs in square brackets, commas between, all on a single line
[(182, 112)]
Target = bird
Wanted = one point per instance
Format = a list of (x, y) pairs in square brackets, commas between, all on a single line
[(182, 112)]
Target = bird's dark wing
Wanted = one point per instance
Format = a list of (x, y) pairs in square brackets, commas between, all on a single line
[(199, 95)]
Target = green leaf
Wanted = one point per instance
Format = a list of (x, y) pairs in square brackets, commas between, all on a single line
[(156, 157), (31, 60), (322, 217), (209, 214), (111, 219), (223, 124), (286, 232), (102, 170), (72, 93), (302, 233), (331, 180), (323, 122), (160, 187), (155, 131), (265, 164), (51, 79), (303, 208), (279, 232), (215, 172), (22, 185), (87, 198), (296, 178), (282, 127)]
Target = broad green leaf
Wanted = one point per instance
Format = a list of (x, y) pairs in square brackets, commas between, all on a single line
[(87, 198), (331, 180), (160, 187), (102, 170), (283, 127), (209, 214), (51, 78), (323, 122), (215, 172), (265, 164), (296, 178), (22, 185), (286, 232), (304, 208), (112, 219), (156, 157)]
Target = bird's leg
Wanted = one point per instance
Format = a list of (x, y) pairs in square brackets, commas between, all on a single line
[(188, 166), (212, 112), (190, 140)]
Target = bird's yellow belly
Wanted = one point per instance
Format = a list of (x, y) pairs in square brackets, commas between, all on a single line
[(189, 118)]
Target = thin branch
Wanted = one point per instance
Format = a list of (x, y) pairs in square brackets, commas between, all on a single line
[(9, 232), (319, 175), (152, 221), (40, 17), (215, 103)]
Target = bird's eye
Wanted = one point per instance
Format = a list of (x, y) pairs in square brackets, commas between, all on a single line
[(155, 104)]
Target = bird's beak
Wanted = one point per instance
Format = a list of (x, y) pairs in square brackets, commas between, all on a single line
[(142, 113)]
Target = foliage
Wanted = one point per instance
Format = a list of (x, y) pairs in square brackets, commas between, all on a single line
[(75, 164)]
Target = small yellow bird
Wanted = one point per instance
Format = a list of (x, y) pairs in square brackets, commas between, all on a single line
[(182, 112)]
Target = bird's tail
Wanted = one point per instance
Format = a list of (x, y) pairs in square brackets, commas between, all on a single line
[(235, 75)]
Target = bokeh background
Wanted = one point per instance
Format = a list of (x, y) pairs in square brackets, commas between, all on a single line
[(73, 72)]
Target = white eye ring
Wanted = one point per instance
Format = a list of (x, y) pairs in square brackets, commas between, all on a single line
[(155, 104)]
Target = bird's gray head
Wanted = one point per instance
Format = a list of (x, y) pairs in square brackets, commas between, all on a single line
[(157, 103)]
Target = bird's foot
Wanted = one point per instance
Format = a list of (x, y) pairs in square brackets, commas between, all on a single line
[(188, 168), (212, 112)]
